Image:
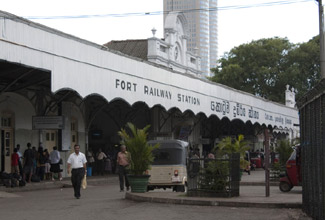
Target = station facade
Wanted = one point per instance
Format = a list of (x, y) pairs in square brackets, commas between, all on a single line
[(59, 90)]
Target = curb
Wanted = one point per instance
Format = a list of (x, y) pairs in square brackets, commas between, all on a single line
[(52, 185), (36, 187), (182, 201), (259, 183)]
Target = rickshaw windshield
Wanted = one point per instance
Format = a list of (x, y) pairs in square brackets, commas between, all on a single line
[(169, 156), (293, 155)]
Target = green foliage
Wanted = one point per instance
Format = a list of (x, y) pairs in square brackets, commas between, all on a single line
[(244, 164), (264, 67), (304, 66), (215, 176), (284, 149), (237, 145), (229, 146), (140, 152), (277, 167)]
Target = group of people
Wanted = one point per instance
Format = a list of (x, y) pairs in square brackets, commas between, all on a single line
[(100, 162), (41, 162), (38, 164)]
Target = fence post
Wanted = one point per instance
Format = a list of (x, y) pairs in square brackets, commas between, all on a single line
[(235, 173)]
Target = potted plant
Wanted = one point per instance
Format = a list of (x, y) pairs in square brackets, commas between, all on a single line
[(140, 156)]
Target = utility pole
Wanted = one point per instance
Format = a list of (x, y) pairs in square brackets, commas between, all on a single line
[(321, 38), (266, 162)]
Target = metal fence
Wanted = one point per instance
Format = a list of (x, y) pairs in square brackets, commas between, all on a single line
[(213, 177), (312, 128)]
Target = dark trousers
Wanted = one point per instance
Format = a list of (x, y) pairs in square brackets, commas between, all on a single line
[(20, 168), (41, 172), (122, 172), (76, 177), (101, 167)]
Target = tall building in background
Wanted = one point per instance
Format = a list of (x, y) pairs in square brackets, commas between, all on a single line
[(202, 17)]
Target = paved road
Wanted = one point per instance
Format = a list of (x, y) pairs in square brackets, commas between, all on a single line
[(106, 202)]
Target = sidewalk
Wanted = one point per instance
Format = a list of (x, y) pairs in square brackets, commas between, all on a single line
[(65, 183), (252, 194)]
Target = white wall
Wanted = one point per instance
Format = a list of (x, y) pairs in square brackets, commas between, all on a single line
[(22, 111)]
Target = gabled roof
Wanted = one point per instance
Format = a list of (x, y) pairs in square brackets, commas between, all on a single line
[(134, 48)]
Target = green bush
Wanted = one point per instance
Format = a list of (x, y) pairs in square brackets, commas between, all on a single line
[(215, 176)]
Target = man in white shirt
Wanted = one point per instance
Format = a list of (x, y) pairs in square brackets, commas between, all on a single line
[(77, 163)]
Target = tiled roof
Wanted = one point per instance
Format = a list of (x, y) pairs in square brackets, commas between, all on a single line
[(134, 48)]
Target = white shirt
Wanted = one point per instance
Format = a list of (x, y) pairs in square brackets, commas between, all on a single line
[(55, 157), (20, 155), (101, 156), (77, 161)]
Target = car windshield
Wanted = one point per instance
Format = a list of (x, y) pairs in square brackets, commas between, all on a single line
[(168, 156)]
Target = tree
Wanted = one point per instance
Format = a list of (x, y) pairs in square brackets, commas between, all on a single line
[(304, 66), (264, 67)]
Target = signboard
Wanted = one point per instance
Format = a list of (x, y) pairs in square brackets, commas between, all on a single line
[(48, 122)]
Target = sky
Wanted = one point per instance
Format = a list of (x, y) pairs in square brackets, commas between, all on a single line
[(299, 21)]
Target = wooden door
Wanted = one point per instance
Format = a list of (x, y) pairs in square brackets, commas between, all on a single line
[(51, 137)]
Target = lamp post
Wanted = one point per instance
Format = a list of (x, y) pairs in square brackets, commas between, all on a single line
[(321, 38)]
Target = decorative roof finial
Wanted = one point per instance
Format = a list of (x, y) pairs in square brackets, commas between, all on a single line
[(153, 31)]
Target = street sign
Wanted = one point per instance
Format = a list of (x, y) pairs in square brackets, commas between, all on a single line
[(48, 122)]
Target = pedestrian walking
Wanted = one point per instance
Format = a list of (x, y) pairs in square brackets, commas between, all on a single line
[(123, 163), (77, 164)]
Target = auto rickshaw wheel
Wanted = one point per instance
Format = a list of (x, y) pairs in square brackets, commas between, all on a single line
[(285, 186)]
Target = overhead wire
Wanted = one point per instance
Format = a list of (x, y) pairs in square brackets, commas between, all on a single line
[(224, 8)]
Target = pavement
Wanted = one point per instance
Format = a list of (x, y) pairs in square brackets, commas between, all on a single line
[(252, 193)]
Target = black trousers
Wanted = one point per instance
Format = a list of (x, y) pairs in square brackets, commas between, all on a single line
[(20, 168), (101, 166), (122, 172), (76, 177)]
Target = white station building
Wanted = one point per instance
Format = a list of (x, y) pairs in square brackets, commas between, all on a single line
[(59, 90)]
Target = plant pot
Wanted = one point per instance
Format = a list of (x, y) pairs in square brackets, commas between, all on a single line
[(138, 183)]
